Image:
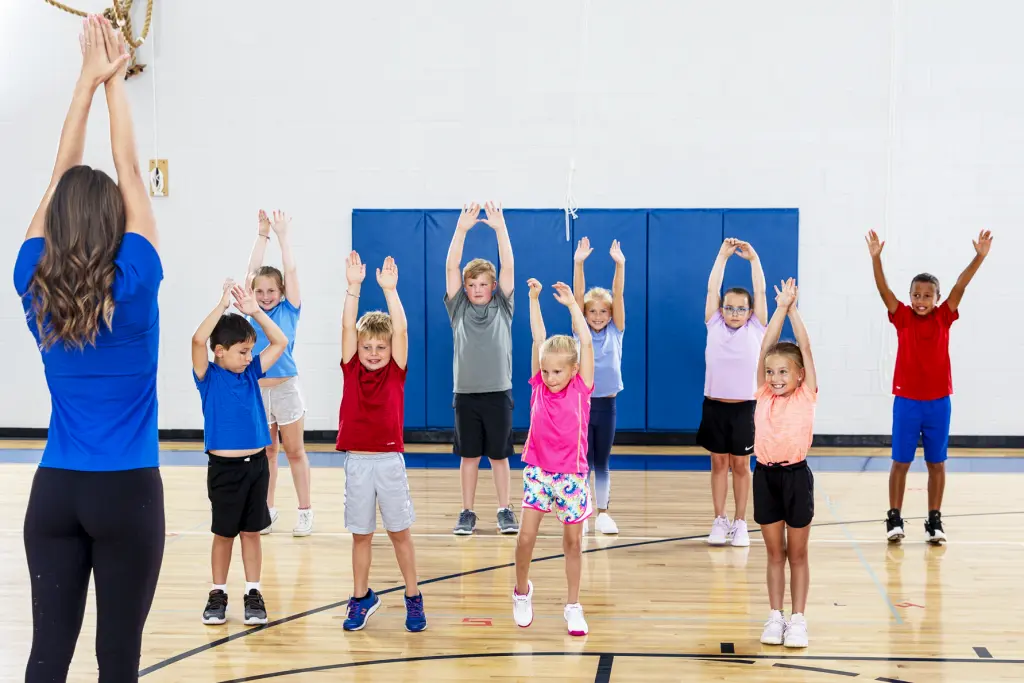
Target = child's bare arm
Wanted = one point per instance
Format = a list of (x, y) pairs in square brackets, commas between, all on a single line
[(618, 287), (579, 325), (760, 302), (981, 248), (784, 299), (355, 271), (200, 356), (282, 227), (803, 340), (579, 281), (507, 269), (387, 278), (536, 325), (714, 298), (259, 248), (453, 266), (875, 249)]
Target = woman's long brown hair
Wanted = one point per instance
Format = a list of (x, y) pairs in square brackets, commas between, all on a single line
[(71, 289)]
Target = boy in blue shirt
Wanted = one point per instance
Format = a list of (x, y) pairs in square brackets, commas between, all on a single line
[(236, 439)]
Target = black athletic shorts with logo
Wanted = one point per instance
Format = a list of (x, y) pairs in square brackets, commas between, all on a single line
[(483, 425), (727, 427), (238, 492), (784, 493)]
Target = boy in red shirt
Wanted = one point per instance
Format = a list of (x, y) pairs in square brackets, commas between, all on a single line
[(922, 382), (374, 355)]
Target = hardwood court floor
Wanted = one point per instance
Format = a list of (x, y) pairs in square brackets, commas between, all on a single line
[(661, 605)]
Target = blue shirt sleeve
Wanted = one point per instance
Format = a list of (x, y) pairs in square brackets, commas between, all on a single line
[(25, 267), (203, 384), (256, 367), (138, 267)]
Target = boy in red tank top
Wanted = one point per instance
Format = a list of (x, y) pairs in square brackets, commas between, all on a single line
[(922, 382), (374, 356)]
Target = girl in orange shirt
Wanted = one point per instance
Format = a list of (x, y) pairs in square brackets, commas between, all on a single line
[(783, 483)]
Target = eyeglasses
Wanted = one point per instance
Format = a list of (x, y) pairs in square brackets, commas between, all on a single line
[(736, 311)]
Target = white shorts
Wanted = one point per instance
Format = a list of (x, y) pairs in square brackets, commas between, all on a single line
[(373, 481), (283, 403)]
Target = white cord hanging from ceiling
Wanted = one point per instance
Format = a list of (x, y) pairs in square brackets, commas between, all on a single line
[(886, 357), (571, 206)]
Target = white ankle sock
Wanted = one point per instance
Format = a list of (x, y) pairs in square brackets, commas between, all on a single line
[(249, 585), (220, 587)]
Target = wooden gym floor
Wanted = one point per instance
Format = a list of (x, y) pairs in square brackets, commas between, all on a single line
[(662, 605)]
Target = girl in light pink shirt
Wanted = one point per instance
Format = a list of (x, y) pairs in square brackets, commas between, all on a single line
[(783, 483), (555, 453)]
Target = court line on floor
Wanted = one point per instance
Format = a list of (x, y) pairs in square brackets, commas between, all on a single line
[(611, 656), (284, 620), (833, 509)]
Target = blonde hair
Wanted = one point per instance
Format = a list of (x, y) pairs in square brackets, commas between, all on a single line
[(597, 295), (478, 267), (271, 272), (787, 350), (375, 325), (562, 344)]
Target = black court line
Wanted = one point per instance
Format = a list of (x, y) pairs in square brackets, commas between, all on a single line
[(316, 610), (728, 649), (891, 680), (604, 669), (609, 656), (983, 652), (816, 670)]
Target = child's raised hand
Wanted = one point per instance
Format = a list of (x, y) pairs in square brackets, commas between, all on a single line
[(583, 250), (786, 297), (264, 223), (728, 246), (984, 243), (745, 251), (387, 276), (225, 299), (616, 253), (535, 288), (563, 294), (469, 217), (281, 223), (495, 216), (874, 245), (245, 300), (355, 271)]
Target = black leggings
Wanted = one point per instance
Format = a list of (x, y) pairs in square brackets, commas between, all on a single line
[(111, 525)]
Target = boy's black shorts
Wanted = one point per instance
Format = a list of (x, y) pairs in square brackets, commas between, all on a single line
[(483, 425), (238, 492)]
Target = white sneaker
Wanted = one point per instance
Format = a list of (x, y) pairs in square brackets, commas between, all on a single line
[(774, 629), (522, 606), (719, 531), (605, 524), (740, 538), (796, 632), (270, 527), (574, 618), (304, 526)]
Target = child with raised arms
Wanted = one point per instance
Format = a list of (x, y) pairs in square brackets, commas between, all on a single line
[(605, 313), (374, 359), (787, 394), (236, 440), (555, 452), (922, 382)]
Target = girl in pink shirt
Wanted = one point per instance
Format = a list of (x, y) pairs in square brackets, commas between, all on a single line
[(783, 483), (555, 453)]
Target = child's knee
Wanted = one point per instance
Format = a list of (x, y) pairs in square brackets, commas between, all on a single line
[(362, 539), (936, 467), (272, 451), (402, 537), (572, 541), (296, 456), (719, 462), (249, 536), (797, 555), (776, 554)]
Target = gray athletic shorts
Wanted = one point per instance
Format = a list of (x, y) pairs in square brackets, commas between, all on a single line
[(283, 403), (373, 481)]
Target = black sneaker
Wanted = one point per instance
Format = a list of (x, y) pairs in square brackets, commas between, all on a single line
[(894, 526), (466, 524), (933, 528), (507, 522), (216, 608), (255, 610)]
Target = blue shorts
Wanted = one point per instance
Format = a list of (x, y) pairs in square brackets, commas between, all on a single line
[(926, 419)]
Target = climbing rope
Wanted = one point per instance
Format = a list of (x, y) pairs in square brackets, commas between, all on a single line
[(120, 15)]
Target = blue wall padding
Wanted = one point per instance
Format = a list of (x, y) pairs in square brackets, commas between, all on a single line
[(399, 234), (681, 248), (630, 228), (774, 234)]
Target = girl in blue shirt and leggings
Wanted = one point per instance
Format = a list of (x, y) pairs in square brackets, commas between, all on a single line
[(88, 275)]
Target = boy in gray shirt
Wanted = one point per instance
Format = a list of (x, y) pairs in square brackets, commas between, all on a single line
[(480, 306)]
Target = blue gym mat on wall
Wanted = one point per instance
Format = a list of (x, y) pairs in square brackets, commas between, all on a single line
[(669, 254)]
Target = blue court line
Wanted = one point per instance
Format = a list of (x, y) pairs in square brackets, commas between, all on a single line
[(863, 560)]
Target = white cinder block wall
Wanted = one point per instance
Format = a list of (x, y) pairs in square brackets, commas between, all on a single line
[(321, 107)]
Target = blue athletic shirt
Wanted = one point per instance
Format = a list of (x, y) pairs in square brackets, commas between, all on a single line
[(286, 316), (103, 414), (233, 415)]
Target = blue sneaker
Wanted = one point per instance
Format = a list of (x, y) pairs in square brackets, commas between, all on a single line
[(360, 610), (415, 619)]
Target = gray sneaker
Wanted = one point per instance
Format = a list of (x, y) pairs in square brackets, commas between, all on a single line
[(507, 522), (255, 610), (467, 523)]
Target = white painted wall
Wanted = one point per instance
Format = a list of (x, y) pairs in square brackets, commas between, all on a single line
[(335, 105)]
